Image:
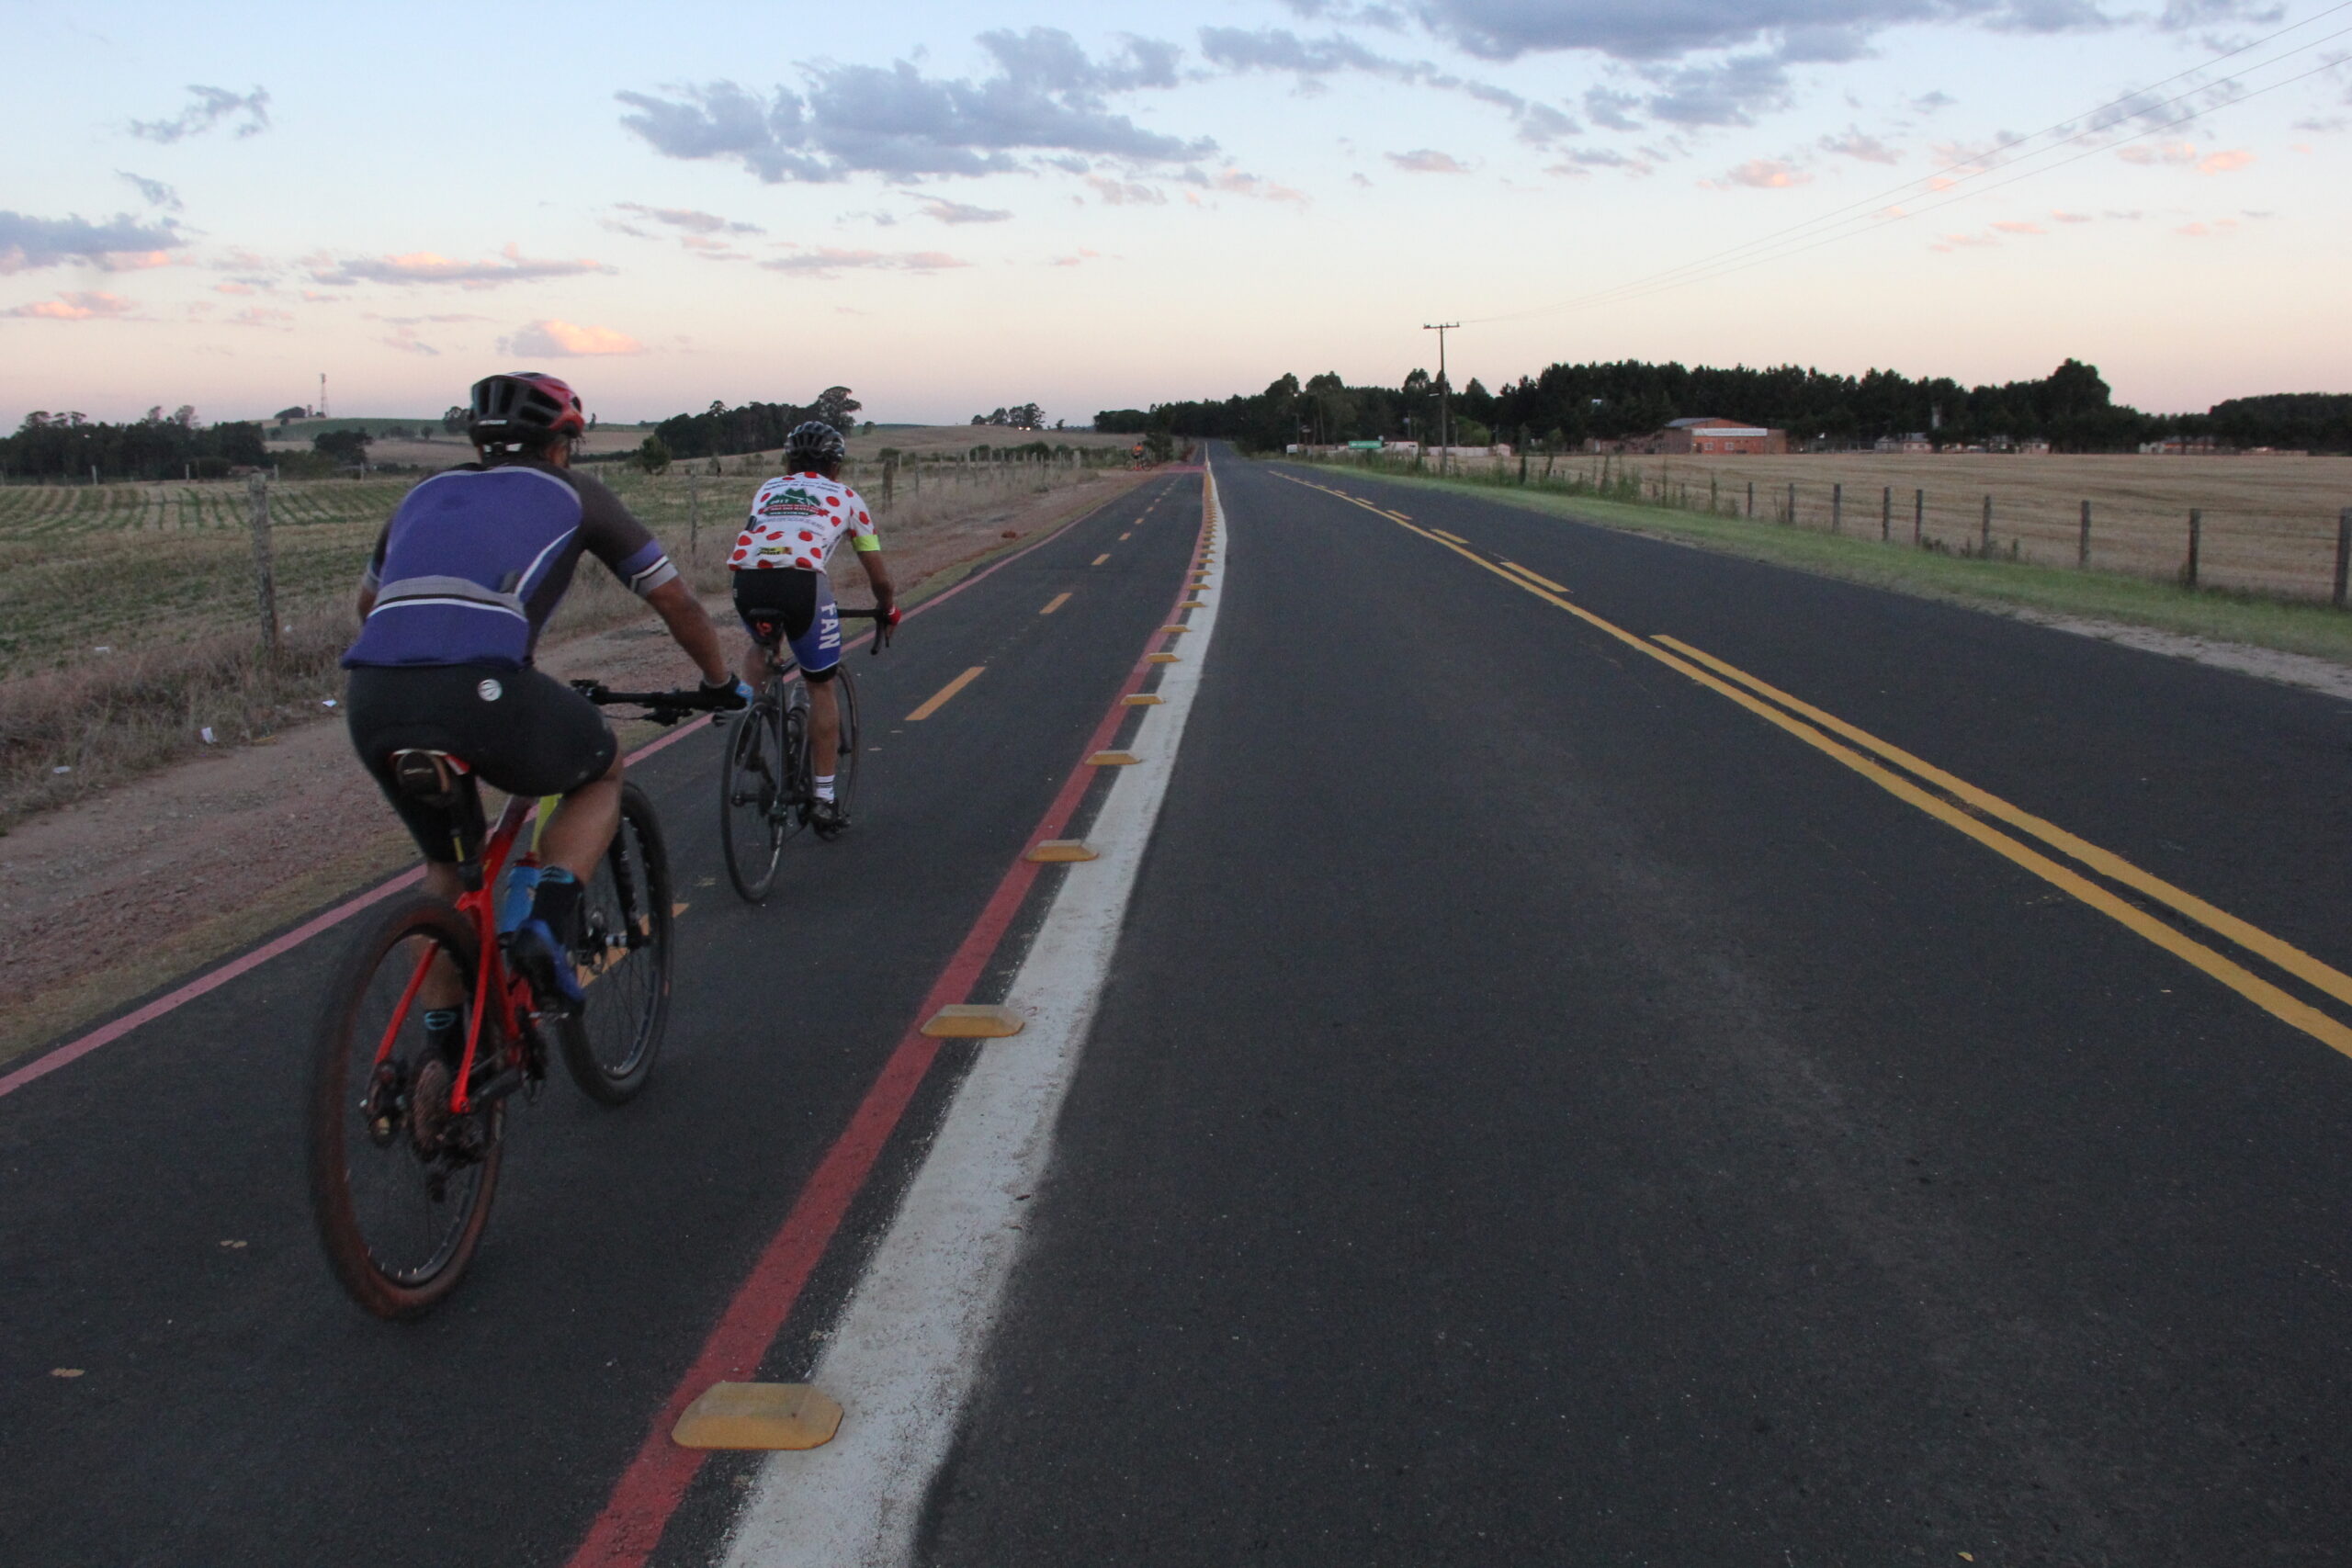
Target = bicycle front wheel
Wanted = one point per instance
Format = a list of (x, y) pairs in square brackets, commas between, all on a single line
[(845, 764), (753, 796), (623, 960), (400, 1187)]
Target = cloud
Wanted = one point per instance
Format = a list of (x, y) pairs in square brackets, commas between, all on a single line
[(208, 106), (1725, 91), (2221, 228), (1635, 30), (155, 192), (1928, 103), (2056, 216), (1235, 182), (1854, 143), (78, 306), (1123, 193), (1278, 48), (426, 266), (1048, 95), (962, 213), (549, 338), (2145, 155), (2018, 226), (824, 260), (1762, 174), (1081, 259), (686, 218), (1429, 161), (2225, 163), (120, 243)]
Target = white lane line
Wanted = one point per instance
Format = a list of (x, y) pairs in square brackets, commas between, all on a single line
[(903, 1356)]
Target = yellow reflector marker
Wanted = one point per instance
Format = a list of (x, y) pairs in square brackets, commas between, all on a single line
[(1160, 658), (973, 1021), (1053, 851), (1056, 603), (939, 699), (1164, 631), (1112, 760), (1192, 604), (1141, 699), (760, 1416), (1101, 558)]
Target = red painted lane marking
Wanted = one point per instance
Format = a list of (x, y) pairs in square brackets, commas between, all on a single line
[(172, 1001), (625, 1533)]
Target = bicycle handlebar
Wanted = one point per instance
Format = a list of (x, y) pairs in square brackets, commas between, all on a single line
[(882, 629), (661, 707)]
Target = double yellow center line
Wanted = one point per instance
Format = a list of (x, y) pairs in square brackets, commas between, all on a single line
[(1966, 808)]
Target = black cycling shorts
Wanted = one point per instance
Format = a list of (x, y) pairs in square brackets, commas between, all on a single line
[(798, 605), (520, 731)]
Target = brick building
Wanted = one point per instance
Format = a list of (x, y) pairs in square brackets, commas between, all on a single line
[(1715, 438)]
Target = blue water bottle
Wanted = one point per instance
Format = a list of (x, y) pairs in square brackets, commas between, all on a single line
[(522, 887)]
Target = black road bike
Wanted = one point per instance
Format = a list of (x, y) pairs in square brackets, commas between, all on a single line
[(766, 785)]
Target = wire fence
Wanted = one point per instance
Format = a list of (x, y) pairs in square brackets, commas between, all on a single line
[(2279, 527)]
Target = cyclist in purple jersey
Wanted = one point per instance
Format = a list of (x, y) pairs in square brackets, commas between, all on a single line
[(460, 585)]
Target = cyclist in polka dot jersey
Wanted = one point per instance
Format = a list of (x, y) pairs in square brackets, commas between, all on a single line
[(797, 520)]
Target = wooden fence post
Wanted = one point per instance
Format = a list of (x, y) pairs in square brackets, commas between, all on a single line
[(2196, 528), (694, 521), (1792, 519), (889, 478), (1918, 516), (1984, 539), (265, 564), (1752, 497), (2083, 545), (1838, 507), (2343, 553), (1886, 515)]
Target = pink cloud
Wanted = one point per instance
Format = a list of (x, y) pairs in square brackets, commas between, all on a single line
[(96, 305), (2218, 229), (429, 266), (1762, 174), (2226, 163), (1234, 182), (2069, 217), (2014, 227), (551, 339), (2163, 152)]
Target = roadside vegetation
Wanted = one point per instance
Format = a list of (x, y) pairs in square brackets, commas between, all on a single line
[(1954, 569)]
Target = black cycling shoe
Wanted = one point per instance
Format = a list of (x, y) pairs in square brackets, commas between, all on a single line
[(828, 818)]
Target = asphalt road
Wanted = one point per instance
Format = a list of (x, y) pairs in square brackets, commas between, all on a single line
[(1543, 1109)]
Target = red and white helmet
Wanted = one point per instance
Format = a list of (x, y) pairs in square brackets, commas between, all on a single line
[(523, 405)]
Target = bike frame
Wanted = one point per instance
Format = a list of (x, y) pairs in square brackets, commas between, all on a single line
[(494, 986)]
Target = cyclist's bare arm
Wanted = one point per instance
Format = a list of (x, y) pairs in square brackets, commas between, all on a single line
[(691, 626)]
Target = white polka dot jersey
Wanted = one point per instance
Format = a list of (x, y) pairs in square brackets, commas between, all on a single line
[(797, 520)]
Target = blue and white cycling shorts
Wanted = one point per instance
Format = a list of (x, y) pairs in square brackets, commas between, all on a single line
[(796, 606)]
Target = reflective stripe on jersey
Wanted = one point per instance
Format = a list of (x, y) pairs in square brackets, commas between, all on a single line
[(797, 520)]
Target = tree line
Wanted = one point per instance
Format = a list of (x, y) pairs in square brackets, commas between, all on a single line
[(160, 447), (2072, 408), (754, 427)]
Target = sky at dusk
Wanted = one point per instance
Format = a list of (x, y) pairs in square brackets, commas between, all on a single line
[(954, 208)]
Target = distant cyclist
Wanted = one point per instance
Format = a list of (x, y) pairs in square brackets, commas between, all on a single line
[(797, 520), (463, 579)]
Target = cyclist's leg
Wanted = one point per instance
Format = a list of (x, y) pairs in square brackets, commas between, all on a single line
[(817, 645)]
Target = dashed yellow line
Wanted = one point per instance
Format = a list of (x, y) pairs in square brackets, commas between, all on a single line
[(1101, 558), (941, 698), (1536, 577), (1056, 603)]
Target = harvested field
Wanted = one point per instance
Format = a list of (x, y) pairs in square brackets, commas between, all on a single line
[(2269, 524)]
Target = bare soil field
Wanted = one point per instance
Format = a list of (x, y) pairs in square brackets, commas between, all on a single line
[(2269, 524), (129, 886)]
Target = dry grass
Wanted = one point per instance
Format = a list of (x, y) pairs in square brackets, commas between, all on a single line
[(128, 620), (2269, 524)]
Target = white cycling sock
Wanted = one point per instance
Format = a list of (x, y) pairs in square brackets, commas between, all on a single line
[(824, 786)]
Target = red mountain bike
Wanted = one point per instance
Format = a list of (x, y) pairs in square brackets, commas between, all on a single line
[(408, 1124)]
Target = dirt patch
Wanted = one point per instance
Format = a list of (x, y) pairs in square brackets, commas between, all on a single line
[(129, 888)]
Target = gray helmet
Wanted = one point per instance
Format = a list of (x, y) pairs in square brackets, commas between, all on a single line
[(813, 444)]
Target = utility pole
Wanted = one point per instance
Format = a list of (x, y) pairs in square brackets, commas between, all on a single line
[(1445, 420), (323, 394)]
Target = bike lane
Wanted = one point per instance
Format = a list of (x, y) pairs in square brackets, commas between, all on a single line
[(224, 1402)]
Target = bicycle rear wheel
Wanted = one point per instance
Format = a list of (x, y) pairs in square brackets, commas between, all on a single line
[(623, 960), (754, 794), (400, 1188)]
